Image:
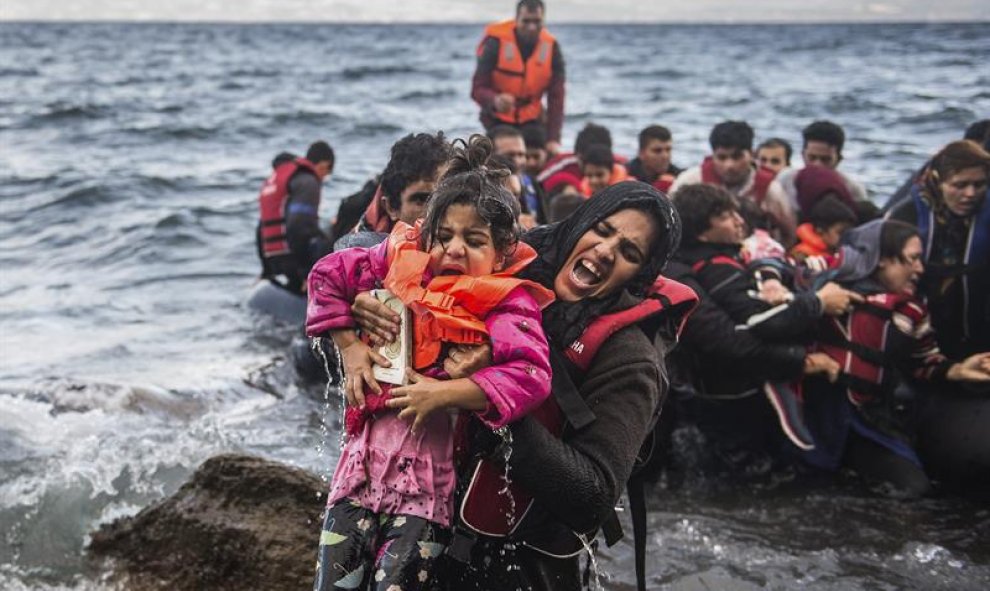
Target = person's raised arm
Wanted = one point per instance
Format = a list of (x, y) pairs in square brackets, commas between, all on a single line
[(555, 101), (482, 90)]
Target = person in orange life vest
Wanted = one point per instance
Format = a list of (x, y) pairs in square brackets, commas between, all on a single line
[(415, 164), (391, 498), (821, 234), (653, 162), (598, 261), (775, 154), (288, 236), (762, 201), (564, 169), (509, 144), (950, 204), (599, 170), (518, 62), (855, 420), (823, 143)]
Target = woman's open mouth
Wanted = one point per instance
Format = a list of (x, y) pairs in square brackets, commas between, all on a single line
[(586, 273)]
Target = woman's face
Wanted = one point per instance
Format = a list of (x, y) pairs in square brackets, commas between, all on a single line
[(901, 275), (965, 190), (606, 256)]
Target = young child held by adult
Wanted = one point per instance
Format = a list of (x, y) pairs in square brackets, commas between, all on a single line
[(391, 497), (820, 236), (599, 170)]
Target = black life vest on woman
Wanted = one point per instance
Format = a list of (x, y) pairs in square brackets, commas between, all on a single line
[(272, 201), (490, 507)]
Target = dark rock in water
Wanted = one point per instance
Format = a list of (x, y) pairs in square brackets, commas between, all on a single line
[(241, 522)]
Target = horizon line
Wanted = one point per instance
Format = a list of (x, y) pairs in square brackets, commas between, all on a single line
[(725, 22)]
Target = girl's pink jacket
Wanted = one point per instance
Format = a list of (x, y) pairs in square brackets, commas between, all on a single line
[(386, 468)]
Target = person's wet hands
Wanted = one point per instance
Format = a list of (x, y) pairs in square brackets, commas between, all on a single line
[(358, 360), (773, 292), (376, 320), (837, 300), (464, 360), (419, 399), (975, 368), (816, 363), (503, 103)]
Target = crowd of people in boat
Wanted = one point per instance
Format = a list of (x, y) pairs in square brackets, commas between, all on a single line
[(548, 290)]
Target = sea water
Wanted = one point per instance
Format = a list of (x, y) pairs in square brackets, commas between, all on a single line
[(130, 161)]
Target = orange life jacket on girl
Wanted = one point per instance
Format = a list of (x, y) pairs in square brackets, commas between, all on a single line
[(858, 341), (451, 308), (758, 192), (619, 174), (272, 200), (527, 81)]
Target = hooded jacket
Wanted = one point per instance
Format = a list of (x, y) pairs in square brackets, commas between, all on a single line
[(576, 479)]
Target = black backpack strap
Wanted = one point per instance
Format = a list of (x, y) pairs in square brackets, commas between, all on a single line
[(637, 509), (612, 529), (575, 410)]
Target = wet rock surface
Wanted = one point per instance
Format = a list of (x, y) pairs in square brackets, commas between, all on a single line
[(240, 522)]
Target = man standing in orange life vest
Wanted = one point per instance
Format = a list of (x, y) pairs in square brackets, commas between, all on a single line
[(289, 237), (518, 62)]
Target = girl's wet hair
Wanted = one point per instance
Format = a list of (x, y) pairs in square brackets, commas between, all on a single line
[(472, 178)]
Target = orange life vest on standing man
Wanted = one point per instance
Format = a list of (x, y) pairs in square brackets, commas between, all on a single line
[(527, 81)]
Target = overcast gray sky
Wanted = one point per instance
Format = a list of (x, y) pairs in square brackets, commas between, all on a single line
[(484, 10)]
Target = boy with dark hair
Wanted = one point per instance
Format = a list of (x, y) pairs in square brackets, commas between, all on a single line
[(566, 168), (652, 164), (828, 219), (535, 138), (416, 162), (775, 154), (596, 169), (823, 143), (730, 166), (288, 236)]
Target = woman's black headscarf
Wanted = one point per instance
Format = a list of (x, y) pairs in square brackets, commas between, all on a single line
[(565, 321)]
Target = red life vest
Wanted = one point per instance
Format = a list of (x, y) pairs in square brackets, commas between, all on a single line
[(758, 192), (664, 182), (272, 200), (858, 341), (527, 81), (490, 507)]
